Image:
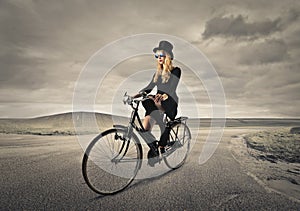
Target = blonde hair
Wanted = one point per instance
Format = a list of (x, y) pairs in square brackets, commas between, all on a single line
[(164, 70)]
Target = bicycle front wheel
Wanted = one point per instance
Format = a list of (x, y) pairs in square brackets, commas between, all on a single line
[(178, 145), (111, 161)]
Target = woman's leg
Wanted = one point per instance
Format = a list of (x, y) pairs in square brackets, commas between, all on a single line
[(158, 117), (154, 115), (170, 109), (148, 123)]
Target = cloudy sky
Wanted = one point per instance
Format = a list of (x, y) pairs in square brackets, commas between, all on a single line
[(252, 44)]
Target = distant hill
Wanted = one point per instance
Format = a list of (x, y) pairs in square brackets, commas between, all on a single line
[(60, 124), (63, 124)]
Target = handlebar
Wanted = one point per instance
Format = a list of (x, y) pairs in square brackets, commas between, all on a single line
[(127, 99), (130, 100)]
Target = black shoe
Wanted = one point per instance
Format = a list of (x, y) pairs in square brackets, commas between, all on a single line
[(171, 143), (162, 150), (152, 157)]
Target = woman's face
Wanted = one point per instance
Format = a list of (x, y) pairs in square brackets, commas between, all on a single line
[(160, 56)]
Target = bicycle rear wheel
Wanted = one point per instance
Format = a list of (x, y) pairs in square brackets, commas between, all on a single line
[(178, 145), (111, 162)]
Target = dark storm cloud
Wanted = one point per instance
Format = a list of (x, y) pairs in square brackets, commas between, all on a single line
[(17, 70), (293, 39), (241, 26), (268, 51), (238, 26)]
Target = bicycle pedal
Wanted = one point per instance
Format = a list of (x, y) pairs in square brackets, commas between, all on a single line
[(171, 143), (162, 150), (153, 161)]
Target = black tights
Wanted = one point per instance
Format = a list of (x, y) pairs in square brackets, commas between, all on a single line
[(153, 111), (164, 131)]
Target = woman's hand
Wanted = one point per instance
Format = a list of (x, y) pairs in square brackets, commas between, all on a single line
[(161, 97), (158, 98)]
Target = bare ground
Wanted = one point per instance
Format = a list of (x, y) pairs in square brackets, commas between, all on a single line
[(272, 158)]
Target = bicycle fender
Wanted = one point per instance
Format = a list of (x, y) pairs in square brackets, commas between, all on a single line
[(120, 126)]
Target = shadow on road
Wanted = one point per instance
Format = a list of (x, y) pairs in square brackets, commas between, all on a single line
[(135, 183)]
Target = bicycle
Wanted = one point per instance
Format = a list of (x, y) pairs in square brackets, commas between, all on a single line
[(114, 157)]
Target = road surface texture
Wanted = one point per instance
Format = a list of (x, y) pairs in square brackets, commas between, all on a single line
[(44, 173)]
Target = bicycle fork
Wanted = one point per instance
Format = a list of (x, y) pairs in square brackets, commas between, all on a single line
[(123, 150), (125, 144)]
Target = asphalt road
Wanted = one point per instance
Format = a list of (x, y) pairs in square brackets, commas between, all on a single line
[(44, 173)]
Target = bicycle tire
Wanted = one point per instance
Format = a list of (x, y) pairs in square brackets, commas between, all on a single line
[(178, 145), (111, 162)]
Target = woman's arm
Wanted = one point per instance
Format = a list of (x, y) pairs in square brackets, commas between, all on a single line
[(148, 88), (173, 83)]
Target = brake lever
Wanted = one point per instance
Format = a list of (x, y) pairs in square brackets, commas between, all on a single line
[(124, 98), (127, 99), (144, 94)]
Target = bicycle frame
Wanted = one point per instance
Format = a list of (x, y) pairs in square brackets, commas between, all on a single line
[(133, 126), (139, 128)]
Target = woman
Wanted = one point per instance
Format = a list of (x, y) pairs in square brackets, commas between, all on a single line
[(166, 79)]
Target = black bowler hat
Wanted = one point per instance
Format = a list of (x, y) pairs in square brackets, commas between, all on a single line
[(166, 46)]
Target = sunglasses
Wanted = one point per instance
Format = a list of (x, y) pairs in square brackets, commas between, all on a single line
[(159, 55)]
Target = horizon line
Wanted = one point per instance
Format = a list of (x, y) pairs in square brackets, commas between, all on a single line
[(227, 117)]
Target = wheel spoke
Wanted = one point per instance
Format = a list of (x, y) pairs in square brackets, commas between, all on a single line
[(108, 166), (179, 144)]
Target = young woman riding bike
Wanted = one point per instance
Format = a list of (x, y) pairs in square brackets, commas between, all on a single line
[(166, 79)]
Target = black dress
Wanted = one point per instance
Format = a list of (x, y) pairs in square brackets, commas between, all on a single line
[(171, 103)]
